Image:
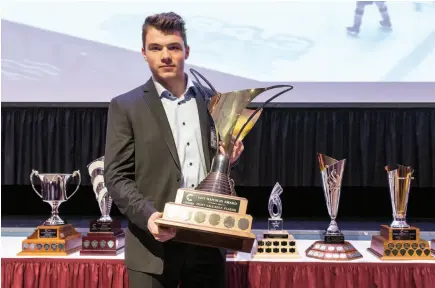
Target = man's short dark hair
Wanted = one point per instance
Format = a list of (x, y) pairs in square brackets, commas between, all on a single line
[(166, 22)]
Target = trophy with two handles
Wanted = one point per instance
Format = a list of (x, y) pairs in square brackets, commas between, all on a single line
[(55, 237), (211, 214)]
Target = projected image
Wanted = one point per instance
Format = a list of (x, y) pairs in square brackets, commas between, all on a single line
[(93, 49)]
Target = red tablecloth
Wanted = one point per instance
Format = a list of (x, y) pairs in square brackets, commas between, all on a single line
[(90, 273)]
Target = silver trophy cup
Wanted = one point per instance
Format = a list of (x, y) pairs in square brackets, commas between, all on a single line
[(332, 174), (96, 171), (53, 191), (399, 181)]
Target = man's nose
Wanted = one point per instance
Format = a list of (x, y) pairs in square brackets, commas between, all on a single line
[(166, 56)]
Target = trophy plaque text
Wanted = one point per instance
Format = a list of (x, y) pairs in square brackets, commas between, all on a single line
[(212, 215), (333, 246), (105, 236), (400, 241), (54, 237), (276, 242)]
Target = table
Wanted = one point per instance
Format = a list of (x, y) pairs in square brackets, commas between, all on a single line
[(109, 271)]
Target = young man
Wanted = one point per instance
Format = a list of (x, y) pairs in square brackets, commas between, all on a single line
[(158, 140)]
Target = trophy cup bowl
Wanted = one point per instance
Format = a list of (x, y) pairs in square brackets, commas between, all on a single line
[(105, 236), (276, 242), (333, 246), (399, 240), (54, 237), (211, 214)]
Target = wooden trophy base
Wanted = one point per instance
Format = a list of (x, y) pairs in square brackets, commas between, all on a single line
[(432, 246), (277, 244), (333, 247), (400, 244), (104, 238), (58, 240), (209, 219)]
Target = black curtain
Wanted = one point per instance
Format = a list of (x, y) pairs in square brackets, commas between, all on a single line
[(281, 147)]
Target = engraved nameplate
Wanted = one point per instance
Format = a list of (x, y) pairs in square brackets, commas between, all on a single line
[(47, 233), (333, 239), (211, 202), (405, 234), (101, 227)]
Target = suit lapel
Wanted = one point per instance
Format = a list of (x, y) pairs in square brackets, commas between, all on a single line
[(204, 121), (157, 110)]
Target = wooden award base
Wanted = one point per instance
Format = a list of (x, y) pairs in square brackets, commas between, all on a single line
[(400, 244), (333, 247), (104, 238), (277, 244), (432, 246), (209, 219), (59, 240)]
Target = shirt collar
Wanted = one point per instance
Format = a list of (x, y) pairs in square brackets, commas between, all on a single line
[(164, 93)]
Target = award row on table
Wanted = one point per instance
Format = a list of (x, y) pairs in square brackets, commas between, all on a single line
[(213, 215)]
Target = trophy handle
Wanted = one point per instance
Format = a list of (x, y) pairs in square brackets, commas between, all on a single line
[(75, 173), (34, 173)]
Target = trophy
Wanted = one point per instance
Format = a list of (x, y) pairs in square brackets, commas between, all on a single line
[(399, 240), (211, 214), (333, 246), (105, 236), (277, 242), (432, 246), (54, 237)]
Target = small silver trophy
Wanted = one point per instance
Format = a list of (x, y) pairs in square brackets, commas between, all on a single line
[(399, 181), (53, 191), (333, 246), (276, 242), (105, 236), (96, 172)]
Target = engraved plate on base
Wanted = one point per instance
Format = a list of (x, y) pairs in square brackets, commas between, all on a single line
[(400, 244), (60, 240), (209, 227)]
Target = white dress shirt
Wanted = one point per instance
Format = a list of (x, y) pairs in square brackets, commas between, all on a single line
[(182, 114)]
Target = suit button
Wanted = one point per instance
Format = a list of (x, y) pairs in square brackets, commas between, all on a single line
[(178, 179)]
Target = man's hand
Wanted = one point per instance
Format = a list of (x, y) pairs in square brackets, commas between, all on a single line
[(237, 150), (159, 233)]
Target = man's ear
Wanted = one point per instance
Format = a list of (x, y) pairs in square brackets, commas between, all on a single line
[(187, 52), (144, 54)]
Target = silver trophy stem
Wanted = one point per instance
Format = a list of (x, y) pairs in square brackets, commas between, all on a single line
[(333, 228), (54, 220)]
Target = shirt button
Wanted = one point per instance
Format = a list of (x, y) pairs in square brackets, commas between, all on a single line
[(193, 185), (188, 143), (184, 123), (190, 164)]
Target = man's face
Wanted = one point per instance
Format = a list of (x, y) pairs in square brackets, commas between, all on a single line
[(165, 54)]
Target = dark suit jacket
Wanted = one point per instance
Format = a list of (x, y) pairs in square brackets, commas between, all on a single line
[(142, 169)]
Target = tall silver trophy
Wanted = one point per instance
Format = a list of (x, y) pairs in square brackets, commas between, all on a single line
[(105, 236), (53, 192), (399, 240), (54, 237), (333, 246), (276, 242)]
